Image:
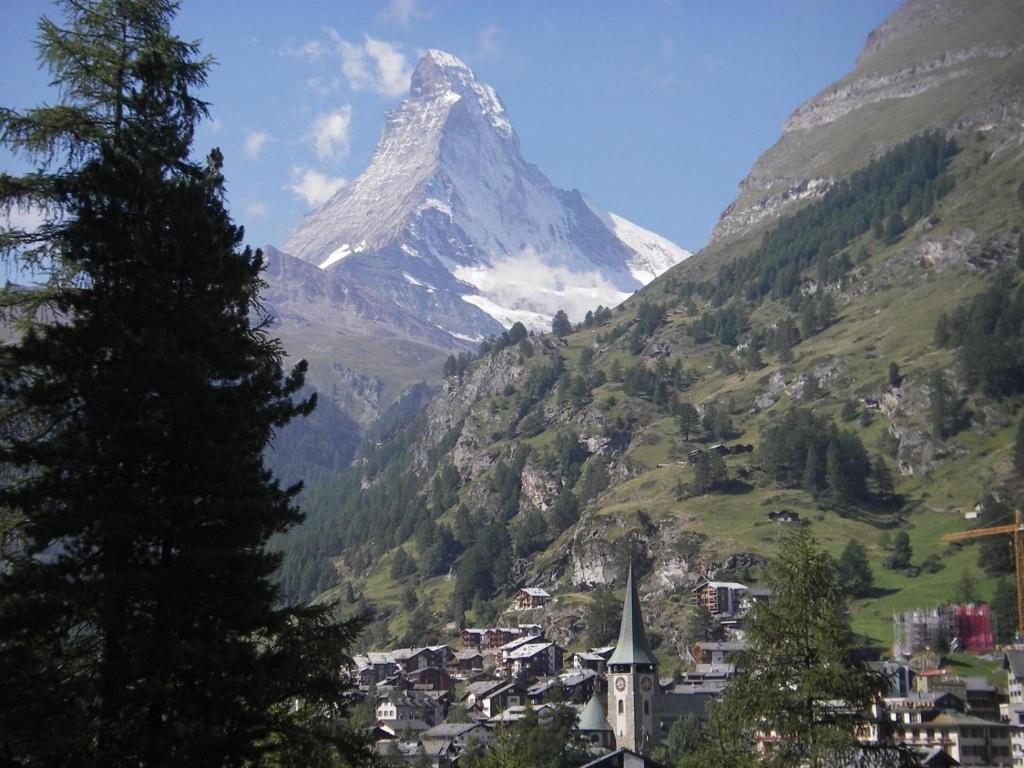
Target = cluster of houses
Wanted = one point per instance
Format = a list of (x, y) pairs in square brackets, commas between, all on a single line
[(624, 709)]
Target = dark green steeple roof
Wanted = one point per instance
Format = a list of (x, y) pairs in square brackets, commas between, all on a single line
[(632, 647), (593, 718)]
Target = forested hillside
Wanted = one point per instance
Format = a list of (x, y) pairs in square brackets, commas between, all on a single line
[(853, 357)]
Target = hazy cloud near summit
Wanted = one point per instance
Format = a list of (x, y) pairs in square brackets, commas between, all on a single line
[(330, 134), (374, 65), (312, 186)]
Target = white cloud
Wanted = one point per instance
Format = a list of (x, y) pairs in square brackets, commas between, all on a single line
[(215, 124), (330, 133), (254, 143), (374, 65), (256, 210), (527, 282), (490, 45), (401, 12), (310, 49), (312, 186)]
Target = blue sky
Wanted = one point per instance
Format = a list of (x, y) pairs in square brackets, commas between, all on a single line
[(654, 108)]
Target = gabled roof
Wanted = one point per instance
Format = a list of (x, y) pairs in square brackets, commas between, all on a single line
[(449, 730), (593, 717), (735, 585), (632, 647), (535, 592), (528, 650)]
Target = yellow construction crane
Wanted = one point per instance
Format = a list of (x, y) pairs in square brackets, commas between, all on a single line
[(1017, 529)]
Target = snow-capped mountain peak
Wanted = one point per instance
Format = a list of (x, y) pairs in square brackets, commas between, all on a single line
[(448, 202)]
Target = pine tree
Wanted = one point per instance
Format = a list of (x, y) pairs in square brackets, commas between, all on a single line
[(799, 679), (1004, 605), (883, 477), (853, 570), (688, 419), (814, 474), (138, 615), (966, 589), (560, 325)]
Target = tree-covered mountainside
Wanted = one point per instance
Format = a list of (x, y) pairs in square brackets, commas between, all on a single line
[(853, 357)]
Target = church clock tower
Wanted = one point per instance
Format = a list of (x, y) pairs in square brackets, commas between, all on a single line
[(633, 681)]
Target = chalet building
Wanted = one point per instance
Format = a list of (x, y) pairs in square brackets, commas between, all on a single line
[(373, 667), (508, 694), (475, 691), (633, 681), (465, 662), (587, 660), (1013, 663), (431, 678), (918, 708), (443, 654), (401, 706), (715, 653), (783, 516), (533, 660), (438, 752), (516, 712), (458, 733), (411, 659), (472, 637), (596, 659), (529, 598), (720, 598), (577, 686), (493, 638), (968, 739)]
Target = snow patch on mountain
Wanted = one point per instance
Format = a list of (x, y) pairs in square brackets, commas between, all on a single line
[(534, 321), (653, 253), (536, 287)]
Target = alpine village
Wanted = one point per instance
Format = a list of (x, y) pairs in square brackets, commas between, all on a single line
[(394, 493)]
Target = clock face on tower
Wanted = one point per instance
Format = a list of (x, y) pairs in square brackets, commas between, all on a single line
[(620, 683), (646, 684)]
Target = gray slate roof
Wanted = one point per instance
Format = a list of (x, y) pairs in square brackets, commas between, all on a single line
[(1014, 660), (593, 717), (632, 647)]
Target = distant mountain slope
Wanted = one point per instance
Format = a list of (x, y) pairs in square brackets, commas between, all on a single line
[(865, 339), (933, 64), (452, 224)]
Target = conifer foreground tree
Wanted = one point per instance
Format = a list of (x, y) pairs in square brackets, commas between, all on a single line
[(138, 618), (798, 686)]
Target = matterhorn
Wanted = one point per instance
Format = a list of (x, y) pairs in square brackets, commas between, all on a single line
[(453, 226)]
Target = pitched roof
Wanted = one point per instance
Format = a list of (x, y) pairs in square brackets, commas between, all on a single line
[(735, 585), (593, 717), (449, 730), (535, 592), (632, 647), (528, 650), (1014, 660)]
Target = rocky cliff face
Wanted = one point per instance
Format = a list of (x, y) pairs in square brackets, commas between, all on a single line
[(933, 64)]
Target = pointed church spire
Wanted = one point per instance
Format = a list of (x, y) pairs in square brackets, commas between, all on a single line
[(632, 647)]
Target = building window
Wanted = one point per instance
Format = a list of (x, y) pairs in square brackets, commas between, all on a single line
[(647, 707), (622, 706)]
